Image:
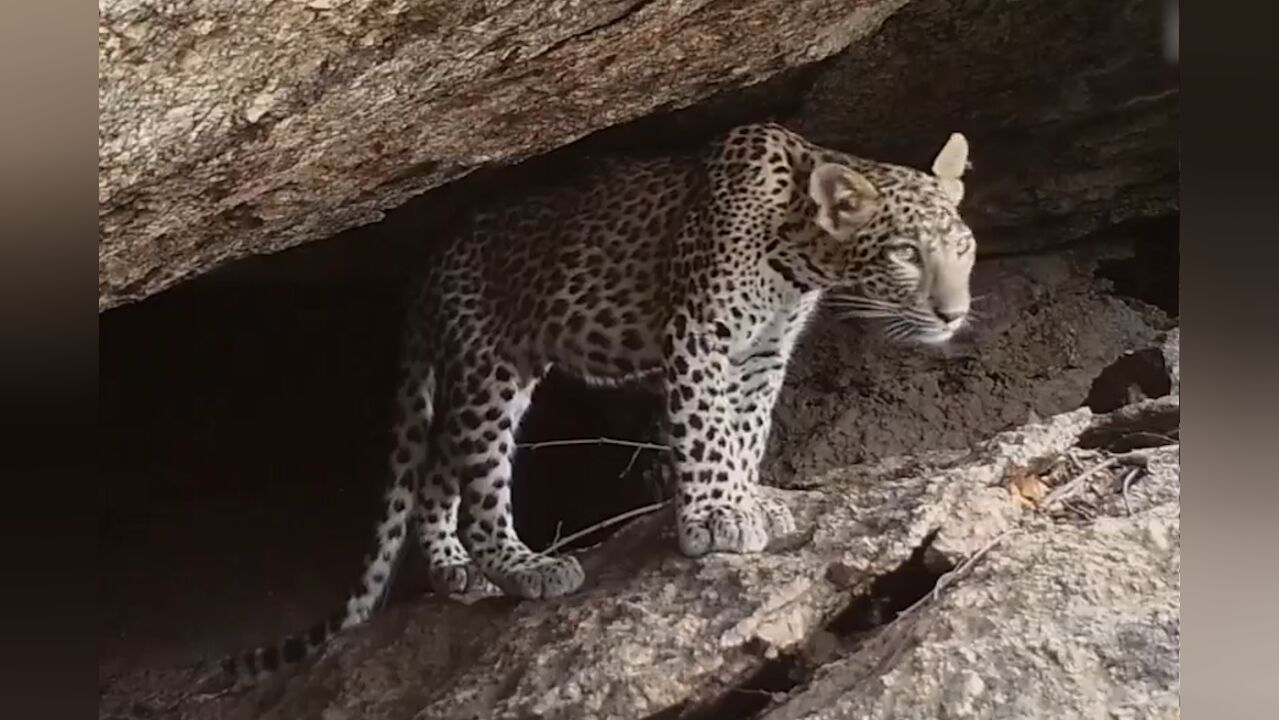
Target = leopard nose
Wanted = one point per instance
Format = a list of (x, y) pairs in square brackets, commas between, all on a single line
[(948, 316)]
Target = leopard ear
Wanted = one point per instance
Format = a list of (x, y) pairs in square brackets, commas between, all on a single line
[(949, 166), (845, 199)]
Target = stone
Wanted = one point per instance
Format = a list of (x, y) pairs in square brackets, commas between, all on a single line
[(1069, 620), (1171, 350), (242, 127), (1042, 612), (1072, 112)]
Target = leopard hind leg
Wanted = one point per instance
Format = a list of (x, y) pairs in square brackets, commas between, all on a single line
[(487, 399)]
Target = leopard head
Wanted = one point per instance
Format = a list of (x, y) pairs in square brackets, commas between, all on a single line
[(904, 253)]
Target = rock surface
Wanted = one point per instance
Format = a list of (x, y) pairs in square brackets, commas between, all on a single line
[(241, 128), (1073, 115), (237, 127), (1063, 593), (1078, 614), (1072, 110), (1063, 619)]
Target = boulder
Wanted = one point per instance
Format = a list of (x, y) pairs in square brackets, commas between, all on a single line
[(236, 129), (1078, 617), (1072, 111), (242, 127)]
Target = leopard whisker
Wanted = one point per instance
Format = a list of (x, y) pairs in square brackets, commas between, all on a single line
[(878, 314)]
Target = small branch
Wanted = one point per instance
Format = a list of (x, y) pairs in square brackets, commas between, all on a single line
[(946, 581), (592, 441), (1127, 482), (630, 463), (967, 565), (559, 542), (645, 510), (1134, 458), (1073, 487), (1171, 438), (1083, 509), (888, 641)]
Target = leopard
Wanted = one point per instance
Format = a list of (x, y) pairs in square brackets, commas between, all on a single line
[(696, 274)]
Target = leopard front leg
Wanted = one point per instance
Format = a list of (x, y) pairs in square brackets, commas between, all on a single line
[(719, 505), (489, 399), (758, 378)]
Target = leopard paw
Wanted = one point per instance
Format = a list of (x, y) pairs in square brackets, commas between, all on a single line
[(450, 569), (536, 576), (746, 527)]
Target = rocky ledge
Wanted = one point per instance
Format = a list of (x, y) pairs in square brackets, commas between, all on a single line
[(1035, 575)]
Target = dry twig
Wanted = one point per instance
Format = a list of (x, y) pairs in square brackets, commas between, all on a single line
[(1127, 482), (557, 542), (889, 639), (609, 522), (1082, 508), (963, 568), (630, 463), (1072, 488), (947, 579), (592, 441)]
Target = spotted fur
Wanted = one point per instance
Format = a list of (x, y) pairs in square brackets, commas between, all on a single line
[(697, 272)]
